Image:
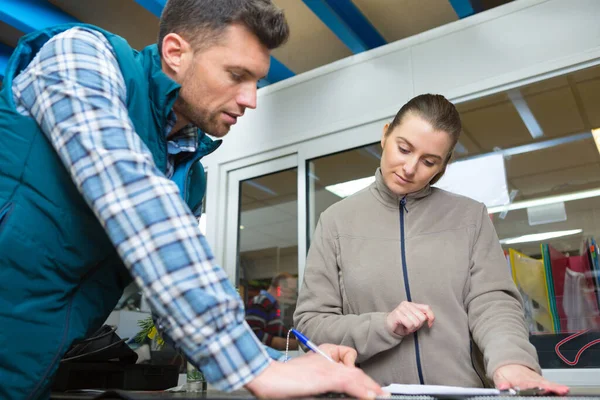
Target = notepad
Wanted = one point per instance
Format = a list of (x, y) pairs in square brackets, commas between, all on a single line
[(438, 390)]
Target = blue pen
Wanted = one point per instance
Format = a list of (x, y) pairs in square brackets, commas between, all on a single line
[(305, 341)]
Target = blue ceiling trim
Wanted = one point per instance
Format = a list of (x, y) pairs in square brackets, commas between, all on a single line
[(5, 53), (348, 23), (31, 15), (465, 8), (154, 6), (277, 72)]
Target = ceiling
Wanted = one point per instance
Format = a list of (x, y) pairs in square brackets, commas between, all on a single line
[(322, 31), (563, 106)]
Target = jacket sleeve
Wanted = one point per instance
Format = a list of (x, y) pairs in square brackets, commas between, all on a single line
[(494, 305), (319, 312)]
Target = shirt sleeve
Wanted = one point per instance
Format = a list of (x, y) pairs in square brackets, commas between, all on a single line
[(75, 91)]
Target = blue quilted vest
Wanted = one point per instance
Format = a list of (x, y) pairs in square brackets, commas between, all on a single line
[(60, 276)]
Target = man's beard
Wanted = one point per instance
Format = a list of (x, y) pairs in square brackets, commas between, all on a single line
[(207, 122)]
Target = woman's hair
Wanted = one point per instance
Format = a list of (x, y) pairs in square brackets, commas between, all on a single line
[(439, 112)]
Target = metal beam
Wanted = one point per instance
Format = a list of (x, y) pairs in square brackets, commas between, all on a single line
[(464, 8), (348, 23), (154, 6), (31, 15), (277, 72), (528, 148), (5, 53), (534, 128)]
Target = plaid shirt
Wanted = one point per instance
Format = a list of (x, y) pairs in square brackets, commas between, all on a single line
[(74, 89)]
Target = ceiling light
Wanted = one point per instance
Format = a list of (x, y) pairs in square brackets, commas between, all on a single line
[(596, 135), (260, 187), (241, 227), (346, 189), (537, 237), (546, 200)]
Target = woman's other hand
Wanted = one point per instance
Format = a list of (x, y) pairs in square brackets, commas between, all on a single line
[(520, 377), (409, 317)]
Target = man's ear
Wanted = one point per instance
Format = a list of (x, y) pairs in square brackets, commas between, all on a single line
[(176, 55)]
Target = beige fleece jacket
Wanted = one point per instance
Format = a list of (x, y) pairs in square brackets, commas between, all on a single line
[(454, 263)]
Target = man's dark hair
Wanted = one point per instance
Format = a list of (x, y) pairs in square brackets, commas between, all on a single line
[(202, 22)]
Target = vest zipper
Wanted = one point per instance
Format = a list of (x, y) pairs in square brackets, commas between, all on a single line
[(403, 209)]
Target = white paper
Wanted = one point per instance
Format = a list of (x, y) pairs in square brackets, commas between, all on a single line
[(433, 390)]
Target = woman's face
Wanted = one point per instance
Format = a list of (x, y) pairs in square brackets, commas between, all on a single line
[(413, 154)]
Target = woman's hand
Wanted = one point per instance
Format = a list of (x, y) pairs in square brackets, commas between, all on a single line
[(409, 317), (518, 376)]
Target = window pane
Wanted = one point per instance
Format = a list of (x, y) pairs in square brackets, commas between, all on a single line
[(341, 168), (550, 243), (268, 244)]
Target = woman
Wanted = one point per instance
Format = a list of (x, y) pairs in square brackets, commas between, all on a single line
[(413, 277)]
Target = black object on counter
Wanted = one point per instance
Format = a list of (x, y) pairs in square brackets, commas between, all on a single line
[(546, 343), (105, 361), (108, 375)]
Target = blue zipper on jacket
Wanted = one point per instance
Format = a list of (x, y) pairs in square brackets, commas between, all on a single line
[(406, 285)]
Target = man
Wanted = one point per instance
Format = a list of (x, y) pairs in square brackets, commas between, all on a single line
[(263, 312), (99, 183)]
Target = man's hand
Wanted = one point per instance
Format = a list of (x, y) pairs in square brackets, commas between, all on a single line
[(518, 376), (345, 355), (312, 374), (409, 317)]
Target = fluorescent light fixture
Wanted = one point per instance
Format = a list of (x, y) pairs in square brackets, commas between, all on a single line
[(260, 187), (346, 189), (586, 194), (596, 135), (525, 113), (537, 237)]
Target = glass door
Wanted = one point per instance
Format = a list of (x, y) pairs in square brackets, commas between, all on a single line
[(262, 233)]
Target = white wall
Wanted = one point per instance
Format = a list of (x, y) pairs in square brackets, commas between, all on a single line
[(467, 58), (344, 104)]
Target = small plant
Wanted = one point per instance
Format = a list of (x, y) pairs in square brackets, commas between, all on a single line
[(148, 330)]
